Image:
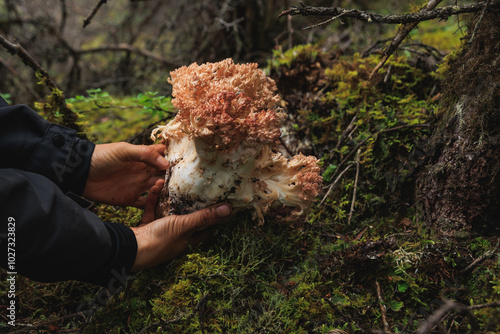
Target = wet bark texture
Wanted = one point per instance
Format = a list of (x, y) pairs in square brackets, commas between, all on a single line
[(460, 189)]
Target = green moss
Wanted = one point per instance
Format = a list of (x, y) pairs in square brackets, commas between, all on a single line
[(111, 119), (443, 36), (313, 273), (300, 53), (55, 110), (388, 119), (123, 215)]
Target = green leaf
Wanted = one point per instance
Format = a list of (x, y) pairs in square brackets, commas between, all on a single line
[(403, 286), (395, 305)]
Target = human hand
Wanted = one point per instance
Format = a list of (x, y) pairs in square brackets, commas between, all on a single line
[(121, 173), (166, 238)]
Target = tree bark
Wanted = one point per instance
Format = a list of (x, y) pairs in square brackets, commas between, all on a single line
[(459, 191)]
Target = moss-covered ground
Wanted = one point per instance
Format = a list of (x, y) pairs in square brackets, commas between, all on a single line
[(360, 261)]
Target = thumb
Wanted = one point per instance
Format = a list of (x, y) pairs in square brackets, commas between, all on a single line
[(151, 155), (151, 201), (206, 217)]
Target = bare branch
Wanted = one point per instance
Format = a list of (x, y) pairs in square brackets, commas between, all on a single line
[(409, 21), (68, 116), (64, 15), (403, 31), (449, 306), (92, 13), (21, 81), (75, 53), (17, 49), (129, 48), (441, 13)]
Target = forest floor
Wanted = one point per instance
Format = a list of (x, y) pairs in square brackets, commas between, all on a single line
[(361, 261)]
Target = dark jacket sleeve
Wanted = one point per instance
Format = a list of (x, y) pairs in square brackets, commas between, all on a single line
[(55, 239), (30, 143)]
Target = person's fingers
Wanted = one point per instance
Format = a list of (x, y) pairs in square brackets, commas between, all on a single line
[(153, 180), (152, 156), (160, 148), (204, 218), (140, 202), (151, 201), (168, 237)]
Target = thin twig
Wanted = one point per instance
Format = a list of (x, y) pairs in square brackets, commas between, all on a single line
[(470, 315), (481, 306), (387, 328), (290, 31), (92, 13), (327, 21), (409, 322), (346, 131), (334, 183), (449, 306), (479, 21), (481, 258), (429, 48), (355, 188), (48, 322), (387, 75), (368, 51), (348, 156), (346, 316)]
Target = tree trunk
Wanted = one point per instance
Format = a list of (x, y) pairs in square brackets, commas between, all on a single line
[(459, 191)]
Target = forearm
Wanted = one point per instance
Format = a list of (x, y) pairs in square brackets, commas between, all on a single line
[(32, 144), (58, 240)]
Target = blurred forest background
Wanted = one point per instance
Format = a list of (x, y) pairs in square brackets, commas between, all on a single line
[(404, 237), (130, 46)]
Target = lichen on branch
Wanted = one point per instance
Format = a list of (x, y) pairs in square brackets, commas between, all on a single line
[(437, 13)]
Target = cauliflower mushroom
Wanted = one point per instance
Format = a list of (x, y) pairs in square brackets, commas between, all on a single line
[(222, 144)]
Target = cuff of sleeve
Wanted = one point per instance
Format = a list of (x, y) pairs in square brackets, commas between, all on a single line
[(78, 177), (121, 258)]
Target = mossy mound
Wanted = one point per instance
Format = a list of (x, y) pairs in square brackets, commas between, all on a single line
[(375, 128), (360, 262), (320, 274)]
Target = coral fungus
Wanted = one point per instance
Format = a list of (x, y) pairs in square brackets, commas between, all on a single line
[(222, 144)]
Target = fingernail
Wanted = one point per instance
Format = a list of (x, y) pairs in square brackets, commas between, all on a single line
[(223, 210), (161, 161)]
